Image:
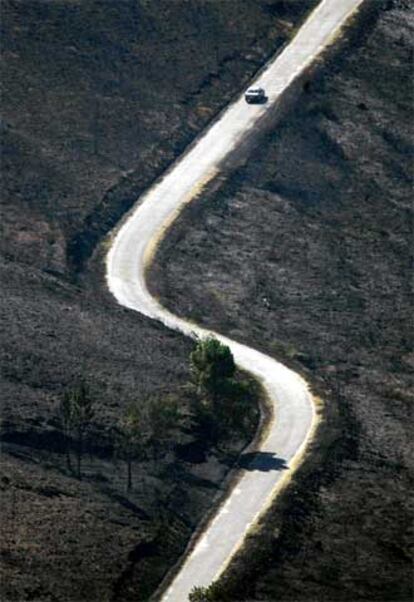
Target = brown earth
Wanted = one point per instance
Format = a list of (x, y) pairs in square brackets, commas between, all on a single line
[(306, 253), (98, 98)]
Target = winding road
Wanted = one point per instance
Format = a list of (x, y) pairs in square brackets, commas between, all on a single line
[(293, 420)]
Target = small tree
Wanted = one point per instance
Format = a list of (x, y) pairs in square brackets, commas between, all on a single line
[(132, 438), (211, 364), (198, 594), (223, 401), (238, 411), (75, 414), (82, 415), (204, 594), (146, 427), (164, 417)]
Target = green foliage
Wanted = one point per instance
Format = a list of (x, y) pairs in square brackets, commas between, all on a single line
[(145, 429), (199, 594), (223, 403), (82, 407), (164, 417), (211, 365), (132, 436), (238, 411), (133, 433), (205, 594)]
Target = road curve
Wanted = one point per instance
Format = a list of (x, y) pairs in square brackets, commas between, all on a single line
[(131, 251)]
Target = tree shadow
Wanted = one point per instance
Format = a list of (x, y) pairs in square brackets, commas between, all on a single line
[(263, 461)]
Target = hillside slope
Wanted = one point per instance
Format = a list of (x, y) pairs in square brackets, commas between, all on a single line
[(306, 253), (99, 96)]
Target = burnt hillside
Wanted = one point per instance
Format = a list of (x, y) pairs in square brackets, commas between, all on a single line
[(99, 96), (306, 253)]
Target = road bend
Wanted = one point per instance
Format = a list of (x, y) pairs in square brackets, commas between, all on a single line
[(132, 249)]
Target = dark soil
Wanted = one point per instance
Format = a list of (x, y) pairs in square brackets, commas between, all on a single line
[(100, 96), (306, 252)]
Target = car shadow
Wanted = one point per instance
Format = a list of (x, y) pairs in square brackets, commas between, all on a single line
[(263, 461)]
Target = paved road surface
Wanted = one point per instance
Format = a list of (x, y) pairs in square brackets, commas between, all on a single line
[(131, 251)]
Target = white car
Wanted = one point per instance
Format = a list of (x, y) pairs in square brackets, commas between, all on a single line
[(255, 95)]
